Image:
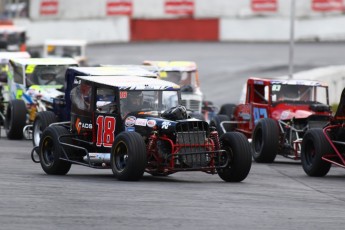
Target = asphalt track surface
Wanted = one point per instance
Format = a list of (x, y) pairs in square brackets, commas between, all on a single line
[(273, 196)]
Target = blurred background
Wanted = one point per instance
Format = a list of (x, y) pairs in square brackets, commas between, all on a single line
[(99, 21), (229, 40)]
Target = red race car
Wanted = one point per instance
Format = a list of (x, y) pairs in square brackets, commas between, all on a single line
[(275, 115)]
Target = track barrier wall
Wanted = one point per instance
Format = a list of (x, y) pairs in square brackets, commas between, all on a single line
[(99, 21)]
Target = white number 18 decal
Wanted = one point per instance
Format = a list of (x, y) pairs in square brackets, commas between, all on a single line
[(105, 131)]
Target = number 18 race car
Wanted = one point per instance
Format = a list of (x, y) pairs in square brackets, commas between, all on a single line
[(134, 125)]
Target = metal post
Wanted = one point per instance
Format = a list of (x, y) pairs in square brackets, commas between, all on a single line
[(292, 42)]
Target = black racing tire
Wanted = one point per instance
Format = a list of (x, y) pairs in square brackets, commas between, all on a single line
[(314, 145), (239, 155), (15, 119), (216, 120), (265, 141), (51, 151), (42, 121), (128, 158), (227, 109)]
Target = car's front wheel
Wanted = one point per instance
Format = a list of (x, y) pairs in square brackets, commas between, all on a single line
[(128, 156), (238, 156), (314, 145)]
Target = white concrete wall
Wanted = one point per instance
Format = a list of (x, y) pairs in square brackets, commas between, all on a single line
[(93, 31), (86, 9), (278, 29), (87, 19)]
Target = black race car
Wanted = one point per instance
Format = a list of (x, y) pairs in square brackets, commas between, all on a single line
[(134, 125)]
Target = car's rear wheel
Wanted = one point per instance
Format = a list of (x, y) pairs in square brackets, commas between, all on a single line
[(15, 119), (227, 109), (314, 145), (238, 155), (42, 121), (128, 156), (265, 141), (51, 151)]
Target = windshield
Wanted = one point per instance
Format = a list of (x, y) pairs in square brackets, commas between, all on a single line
[(45, 74), (299, 93), (64, 51), (147, 100), (180, 78)]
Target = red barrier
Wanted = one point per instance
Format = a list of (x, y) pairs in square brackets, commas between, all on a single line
[(181, 29)]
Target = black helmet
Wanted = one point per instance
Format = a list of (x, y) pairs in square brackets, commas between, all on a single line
[(175, 113), (134, 99)]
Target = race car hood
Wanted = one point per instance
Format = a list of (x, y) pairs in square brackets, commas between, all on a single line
[(284, 112), (148, 120), (151, 120), (47, 92)]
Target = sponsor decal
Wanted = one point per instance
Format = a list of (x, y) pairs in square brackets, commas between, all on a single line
[(179, 7), (119, 7), (130, 129), (82, 125), (141, 122), (165, 124), (49, 7), (77, 121), (123, 94), (285, 114), (327, 5), (264, 5), (130, 121), (151, 123)]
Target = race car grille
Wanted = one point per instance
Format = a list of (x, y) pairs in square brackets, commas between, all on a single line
[(192, 104), (192, 126), (191, 136)]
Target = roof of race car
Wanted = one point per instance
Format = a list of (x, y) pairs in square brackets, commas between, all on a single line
[(132, 82), (45, 61), (287, 81), (5, 56), (173, 65), (118, 70)]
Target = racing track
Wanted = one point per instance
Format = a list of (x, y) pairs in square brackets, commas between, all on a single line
[(274, 196)]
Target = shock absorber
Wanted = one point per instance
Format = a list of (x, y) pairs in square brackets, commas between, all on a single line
[(32, 112), (152, 144), (215, 137)]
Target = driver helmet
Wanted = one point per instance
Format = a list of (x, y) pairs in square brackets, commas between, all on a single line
[(134, 99), (46, 77)]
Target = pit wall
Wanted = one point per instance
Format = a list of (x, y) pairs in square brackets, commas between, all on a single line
[(102, 21)]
